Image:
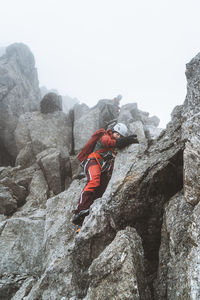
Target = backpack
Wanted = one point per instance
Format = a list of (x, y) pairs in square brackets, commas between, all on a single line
[(89, 146)]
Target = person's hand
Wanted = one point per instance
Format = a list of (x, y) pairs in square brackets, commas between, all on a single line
[(125, 141), (133, 139)]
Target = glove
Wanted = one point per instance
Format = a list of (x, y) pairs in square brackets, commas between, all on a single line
[(125, 141)]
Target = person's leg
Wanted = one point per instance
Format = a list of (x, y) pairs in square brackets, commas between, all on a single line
[(93, 173), (104, 180), (86, 199)]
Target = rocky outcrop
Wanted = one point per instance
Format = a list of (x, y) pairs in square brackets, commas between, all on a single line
[(119, 270), (37, 132), (51, 102), (130, 114), (105, 114), (140, 240), (68, 103), (178, 273), (19, 91)]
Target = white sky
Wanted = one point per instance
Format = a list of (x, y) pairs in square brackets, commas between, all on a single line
[(94, 49)]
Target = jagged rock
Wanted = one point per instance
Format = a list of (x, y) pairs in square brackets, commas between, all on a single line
[(118, 272), (10, 284), (153, 121), (51, 102), (38, 193), (152, 132), (12, 196), (179, 254), (156, 172), (21, 176), (190, 132), (24, 289), (59, 243), (192, 170), (130, 113), (146, 182), (26, 156), (137, 128), (8, 205), (174, 281), (5, 158), (80, 110), (56, 167), (43, 131), (21, 249), (67, 102), (19, 91), (77, 170), (19, 192), (125, 115)]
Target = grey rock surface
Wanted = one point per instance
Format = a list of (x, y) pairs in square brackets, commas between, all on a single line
[(19, 91), (173, 281), (139, 241), (118, 272), (51, 102), (130, 113), (57, 280), (22, 244), (56, 168), (67, 101), (42, 131), (12, 196), (8, 204), (191, 132)]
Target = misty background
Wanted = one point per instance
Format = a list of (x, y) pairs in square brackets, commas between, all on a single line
[(93, 50)]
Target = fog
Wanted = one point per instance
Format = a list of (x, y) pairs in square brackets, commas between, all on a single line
[(92, 49)]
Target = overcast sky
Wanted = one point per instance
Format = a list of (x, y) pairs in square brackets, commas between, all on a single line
[(94, 49)]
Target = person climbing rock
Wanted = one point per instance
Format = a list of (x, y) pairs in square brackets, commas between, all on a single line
[(97, 159)]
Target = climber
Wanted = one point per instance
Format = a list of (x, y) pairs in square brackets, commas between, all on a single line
[(98, 167)]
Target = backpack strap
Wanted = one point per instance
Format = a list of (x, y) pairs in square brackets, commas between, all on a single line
[(96, 156)]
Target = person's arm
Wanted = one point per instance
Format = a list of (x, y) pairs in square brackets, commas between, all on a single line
[(125, 141), (108, 141)]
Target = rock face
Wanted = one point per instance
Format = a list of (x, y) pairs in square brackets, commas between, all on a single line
[(51, 102), (68, 103), (114, 274), (37, 132), (19, 91), (140, 240)]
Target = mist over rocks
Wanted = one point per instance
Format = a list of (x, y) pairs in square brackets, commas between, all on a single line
[(51, 102), (2, 50), (67, 101), (19, 91), (140, 240)]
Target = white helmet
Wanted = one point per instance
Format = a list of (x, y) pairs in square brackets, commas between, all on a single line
[(121, 129)]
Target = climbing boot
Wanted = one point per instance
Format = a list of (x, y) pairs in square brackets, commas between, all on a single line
[(79, 217), (78, 229)]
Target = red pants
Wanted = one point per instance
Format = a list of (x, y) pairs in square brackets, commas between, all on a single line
[(95, 187)]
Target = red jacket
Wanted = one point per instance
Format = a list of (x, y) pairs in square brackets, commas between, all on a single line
[(104, 148)]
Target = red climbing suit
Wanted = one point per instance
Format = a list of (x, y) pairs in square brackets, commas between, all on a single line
[(98, 169)]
